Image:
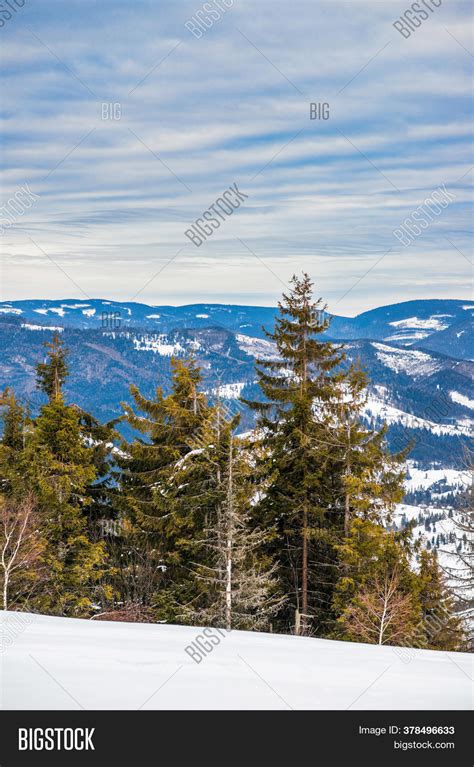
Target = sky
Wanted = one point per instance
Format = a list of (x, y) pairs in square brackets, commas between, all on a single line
[(108, 201)]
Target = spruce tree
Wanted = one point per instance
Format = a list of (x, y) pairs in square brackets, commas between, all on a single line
[(53, 371), (321, 467), (59, 469), (153, 569), (442, 625), (292, 423)]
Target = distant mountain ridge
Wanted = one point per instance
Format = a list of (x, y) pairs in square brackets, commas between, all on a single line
[(423, 392), (435, 324)]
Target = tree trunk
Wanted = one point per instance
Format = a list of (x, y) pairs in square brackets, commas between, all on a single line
[(304, 574), (5, 591), (229, 542), (347, 507), (382, 619), (304, 568)]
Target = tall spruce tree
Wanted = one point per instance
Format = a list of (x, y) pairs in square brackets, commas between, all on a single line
[(157, 539), (297, 388), (59, 469), (321, 467)]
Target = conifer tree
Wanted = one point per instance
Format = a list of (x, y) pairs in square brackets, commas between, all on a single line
[(53, 371), (21, 540), (461, 572), (322, 467), (292, 421), (442, 625), (371, 480), (16, 429), (234, 584), (157, 539), (59, 469)]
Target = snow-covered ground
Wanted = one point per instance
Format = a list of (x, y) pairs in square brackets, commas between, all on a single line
[(376, 408), (422, 479), (228, 391), (257, 347), (157, 345), (412, 362), (62, 663)]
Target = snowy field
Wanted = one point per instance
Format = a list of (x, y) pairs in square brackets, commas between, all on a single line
[(62, 663)]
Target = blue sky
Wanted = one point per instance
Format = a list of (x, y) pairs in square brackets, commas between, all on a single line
[(114, 197)]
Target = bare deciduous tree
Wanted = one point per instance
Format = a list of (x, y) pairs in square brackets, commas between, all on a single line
[(20, 542), (381, 612)]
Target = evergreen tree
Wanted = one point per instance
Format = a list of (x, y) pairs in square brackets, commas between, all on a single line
[(52, 373), (156, 538), (234, 584), (321, 467), (293, 427), (21, 540), (443, 626), (58, 468)]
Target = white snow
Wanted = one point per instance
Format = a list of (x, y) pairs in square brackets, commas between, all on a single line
[(257, 347), (10, 310), (408, 336), (88, 312), (461, 399), (431, 522), (228, 391), (376, 408), (75, 306), (64, 663), (468, 307), (408, 361), (422, 479), (27, 326), (202, 316), (55, 309), (153, 316), (157, 345), (432, 323)]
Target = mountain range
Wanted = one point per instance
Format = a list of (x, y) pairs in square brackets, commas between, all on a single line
[(434, 324), (418, 356)]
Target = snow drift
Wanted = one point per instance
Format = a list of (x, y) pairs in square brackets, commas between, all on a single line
[(63, 663)]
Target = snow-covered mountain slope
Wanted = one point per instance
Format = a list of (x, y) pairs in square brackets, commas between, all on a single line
[(63, 663), (440, 325), (435, 501), (435, 527), (423, 395)]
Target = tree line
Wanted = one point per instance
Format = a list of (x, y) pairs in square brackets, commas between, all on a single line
[(285, 529)]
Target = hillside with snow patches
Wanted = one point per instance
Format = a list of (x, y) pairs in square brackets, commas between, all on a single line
[(425, 395), (53, 663), (434, 504), (411, 323)]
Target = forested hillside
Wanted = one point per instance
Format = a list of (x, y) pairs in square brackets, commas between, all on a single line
[(170, 512)]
